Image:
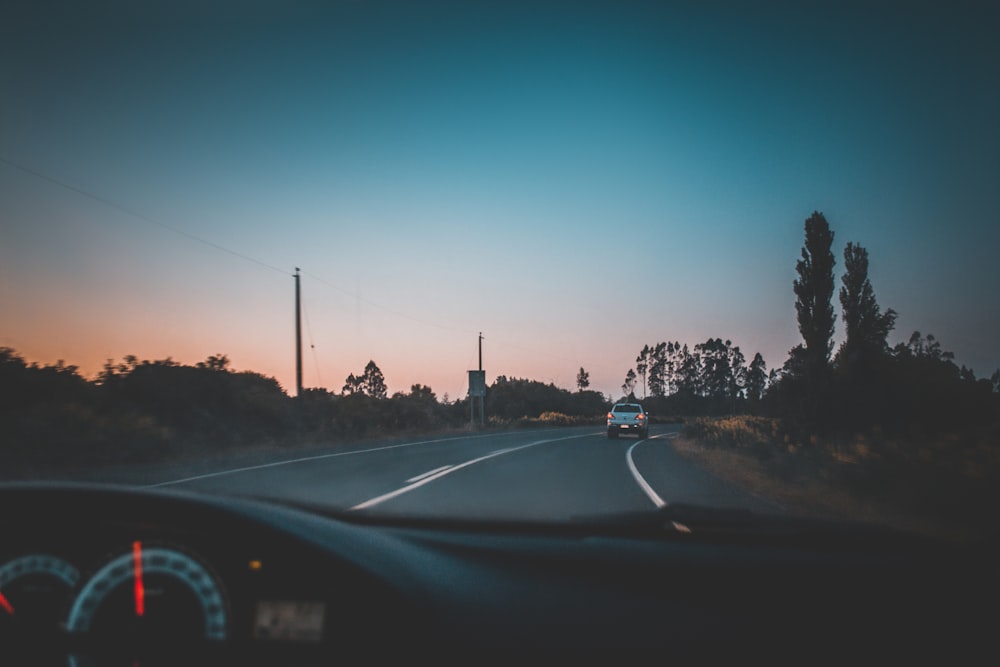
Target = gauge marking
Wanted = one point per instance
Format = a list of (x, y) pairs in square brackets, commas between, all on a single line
[(33, 603), (137, 564)]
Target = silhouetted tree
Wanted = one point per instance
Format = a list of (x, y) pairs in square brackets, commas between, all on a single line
[(373, 382), (714, 369), (921, 347), (757, 377), (659, 369), (353, 385), (814, 291), (369, 383), (422, 391), (629, 385), (866, 326), (582, 379), (642, 365), (215, 362)]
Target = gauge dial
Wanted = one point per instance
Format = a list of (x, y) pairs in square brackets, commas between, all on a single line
[(33, 591), (155, 594)]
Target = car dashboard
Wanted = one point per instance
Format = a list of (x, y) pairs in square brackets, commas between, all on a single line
[(94, 575)]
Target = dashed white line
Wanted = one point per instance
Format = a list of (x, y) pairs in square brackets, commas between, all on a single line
[(317, 457), (434, 475), (427, 474)]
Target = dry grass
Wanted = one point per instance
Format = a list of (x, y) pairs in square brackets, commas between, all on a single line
[(864, 478)]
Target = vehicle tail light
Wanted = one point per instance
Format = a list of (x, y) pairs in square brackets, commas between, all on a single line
[(610, 416)]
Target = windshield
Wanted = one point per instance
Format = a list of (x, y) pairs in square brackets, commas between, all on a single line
[(370, 256)]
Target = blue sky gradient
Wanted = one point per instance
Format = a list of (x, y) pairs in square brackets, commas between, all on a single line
[(572, 179)]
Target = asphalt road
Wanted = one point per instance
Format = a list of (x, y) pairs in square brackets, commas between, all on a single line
[(546, 474)]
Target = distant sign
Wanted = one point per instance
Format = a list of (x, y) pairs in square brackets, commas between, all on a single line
[(477, 383)]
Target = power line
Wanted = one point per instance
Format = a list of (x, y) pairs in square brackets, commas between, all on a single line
[(391, 311), (193, 237), (115, 205), (312, 346)]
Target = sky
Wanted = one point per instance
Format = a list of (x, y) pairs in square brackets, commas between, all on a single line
[(571, 180)]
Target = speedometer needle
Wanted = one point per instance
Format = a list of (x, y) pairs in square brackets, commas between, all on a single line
[(140, 590), (7, 606)]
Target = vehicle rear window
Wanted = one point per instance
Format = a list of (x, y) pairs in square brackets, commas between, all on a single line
[(626, 408)]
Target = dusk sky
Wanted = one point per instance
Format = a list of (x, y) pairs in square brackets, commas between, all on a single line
[(572, 179)]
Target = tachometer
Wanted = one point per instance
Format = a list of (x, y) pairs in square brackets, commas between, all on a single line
[(151, 595), (33, 592)]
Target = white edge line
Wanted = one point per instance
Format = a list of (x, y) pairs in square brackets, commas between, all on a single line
[(641, 481)]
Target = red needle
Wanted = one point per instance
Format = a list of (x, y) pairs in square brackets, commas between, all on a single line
[(5, 603), (140, 591)]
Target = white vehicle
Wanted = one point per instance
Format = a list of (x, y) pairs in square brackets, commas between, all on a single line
[(628, 418)]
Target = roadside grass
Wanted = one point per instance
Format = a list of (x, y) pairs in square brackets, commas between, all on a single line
[(946, 485)]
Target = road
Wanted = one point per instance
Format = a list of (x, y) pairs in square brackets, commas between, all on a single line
[(548, 474)]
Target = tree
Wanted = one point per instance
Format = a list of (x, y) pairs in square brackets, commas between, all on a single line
[(756, 378), (714, 369), (215, 362), (814, 291), (582, 379), (866, 326), (629, 386), (642, 363), (737, 374), (687, 376), (422, 392), (373, 382), (369, 383), (353, 385), (659, 370)]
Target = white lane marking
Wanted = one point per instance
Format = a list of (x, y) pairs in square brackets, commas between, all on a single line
[(427, 474), (322, 456), (640, 480), (450, 469)]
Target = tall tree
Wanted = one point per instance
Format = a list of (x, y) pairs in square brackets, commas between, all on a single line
[(658, 372), (715, 370), (756, 378), (866, 326), (814, 292), (629, 386), (582, 379), (737, 374), (642, 365)]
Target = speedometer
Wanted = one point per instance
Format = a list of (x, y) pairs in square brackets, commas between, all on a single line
[(151, 596)]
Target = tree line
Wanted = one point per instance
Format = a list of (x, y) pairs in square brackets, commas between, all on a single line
[(150, 410), (139, 410), (865, 383)]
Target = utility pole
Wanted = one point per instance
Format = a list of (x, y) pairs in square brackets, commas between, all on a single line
[(477, 389), (298, 337)]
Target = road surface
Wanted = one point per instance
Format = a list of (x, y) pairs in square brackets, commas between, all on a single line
[(550, 474)]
